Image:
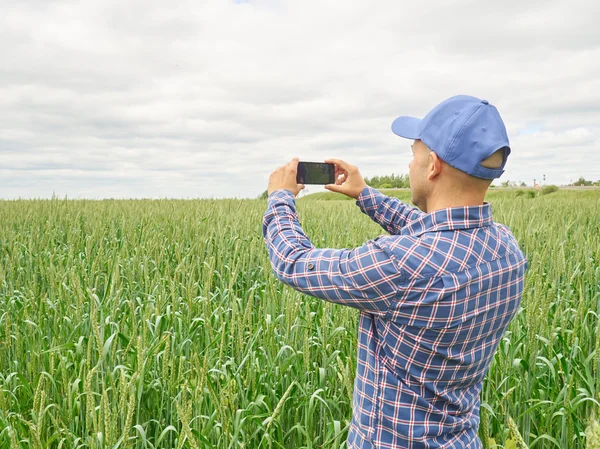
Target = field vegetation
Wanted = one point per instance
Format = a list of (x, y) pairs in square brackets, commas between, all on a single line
[(147, 324)]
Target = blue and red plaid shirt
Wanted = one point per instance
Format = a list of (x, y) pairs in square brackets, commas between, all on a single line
[(435, 298)]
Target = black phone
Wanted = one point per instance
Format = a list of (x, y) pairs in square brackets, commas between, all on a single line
[(315, 173)]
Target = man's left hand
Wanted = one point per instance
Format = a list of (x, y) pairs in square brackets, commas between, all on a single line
[(285, 178)]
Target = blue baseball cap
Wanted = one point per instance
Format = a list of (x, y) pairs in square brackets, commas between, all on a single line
[(463, 131)]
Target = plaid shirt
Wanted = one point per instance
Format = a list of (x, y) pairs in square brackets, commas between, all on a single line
[(435, 298)]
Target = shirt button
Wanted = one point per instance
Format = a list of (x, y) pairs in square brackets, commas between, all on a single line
[(311, 266)]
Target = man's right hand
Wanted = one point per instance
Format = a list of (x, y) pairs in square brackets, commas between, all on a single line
[(348, 179)]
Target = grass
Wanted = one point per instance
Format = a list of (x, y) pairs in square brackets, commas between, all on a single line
[(146, 324)]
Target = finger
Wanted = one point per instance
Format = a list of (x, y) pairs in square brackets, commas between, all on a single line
[(334, 188), (340, 171), (294, 163), (339, 162)]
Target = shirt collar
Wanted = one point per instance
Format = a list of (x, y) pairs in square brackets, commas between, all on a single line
[(452, 218)]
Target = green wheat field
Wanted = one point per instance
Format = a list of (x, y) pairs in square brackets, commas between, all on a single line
[(158, 324)]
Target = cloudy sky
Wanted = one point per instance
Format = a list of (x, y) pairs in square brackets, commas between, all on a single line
[(205, 98)]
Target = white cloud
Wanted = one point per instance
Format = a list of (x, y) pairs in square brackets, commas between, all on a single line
[(188, 99)]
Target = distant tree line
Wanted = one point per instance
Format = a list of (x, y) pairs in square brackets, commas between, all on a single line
[(401, 181), (584, 182), (580, 182), (388, 181)]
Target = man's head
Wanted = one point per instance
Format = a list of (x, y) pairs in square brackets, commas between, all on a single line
[(458, 149), (432, 177)]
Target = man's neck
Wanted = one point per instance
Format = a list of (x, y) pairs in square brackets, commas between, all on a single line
[(445, 202)]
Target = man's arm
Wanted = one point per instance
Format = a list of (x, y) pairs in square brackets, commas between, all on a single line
[(364, 278), (390, 213)]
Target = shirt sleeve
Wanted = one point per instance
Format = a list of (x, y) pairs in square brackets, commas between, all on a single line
[(365, 278), (390, 213)]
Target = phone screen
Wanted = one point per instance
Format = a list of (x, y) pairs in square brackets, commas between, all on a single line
[(315, 173)]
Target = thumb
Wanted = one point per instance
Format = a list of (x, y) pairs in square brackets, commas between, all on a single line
[(335, 188)]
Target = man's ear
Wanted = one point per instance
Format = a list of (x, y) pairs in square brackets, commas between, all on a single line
[(434, 167)]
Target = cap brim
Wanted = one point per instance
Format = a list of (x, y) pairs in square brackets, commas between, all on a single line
[(407, 127)]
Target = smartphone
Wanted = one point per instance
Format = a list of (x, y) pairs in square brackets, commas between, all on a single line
[(315, 173)]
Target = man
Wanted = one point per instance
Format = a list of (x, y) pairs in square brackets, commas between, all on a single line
[(435, 296)]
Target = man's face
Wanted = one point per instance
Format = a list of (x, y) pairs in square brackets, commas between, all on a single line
[(417, 174)]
